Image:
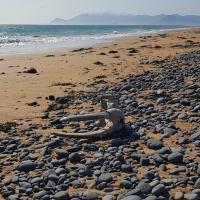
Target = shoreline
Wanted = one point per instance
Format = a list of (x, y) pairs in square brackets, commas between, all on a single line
[(90, 43), (79, 68)]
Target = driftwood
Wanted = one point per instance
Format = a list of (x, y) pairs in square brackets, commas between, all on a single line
[(111, 120)]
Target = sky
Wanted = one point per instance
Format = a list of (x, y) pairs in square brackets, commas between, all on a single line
[(44, 11)]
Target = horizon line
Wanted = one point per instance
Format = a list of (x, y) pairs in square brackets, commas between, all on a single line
[(102, 13)]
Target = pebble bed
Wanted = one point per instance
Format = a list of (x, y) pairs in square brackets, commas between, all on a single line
[(153, 158)]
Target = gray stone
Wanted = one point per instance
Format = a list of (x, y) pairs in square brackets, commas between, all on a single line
[(195, 136), (160, 100), (178, 196), (61, 99), (132, 197), (175, 158), (27, 166), (184, 102), (191, 196), (36, 180), (62, 195), (159, 190), (169, 131), (90, 195), (39, 195), (197, 191), (13, 197), (104, 178), (144, 161), (154, 144), (62, 153), (197, 184), (126, 168), (160, 92), (74, 157), (152, 197), (2, 149), (144, 187), (182, 116), (126, 184), (108, 197), (117, 142)]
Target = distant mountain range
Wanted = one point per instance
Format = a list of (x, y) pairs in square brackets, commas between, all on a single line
[(114, 19)]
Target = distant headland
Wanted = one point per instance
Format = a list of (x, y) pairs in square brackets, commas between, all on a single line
[(118, 19)]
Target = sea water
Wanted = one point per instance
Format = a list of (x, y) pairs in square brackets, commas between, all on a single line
[(41, 38)]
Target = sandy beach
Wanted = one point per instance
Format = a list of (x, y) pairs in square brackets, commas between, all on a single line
[(156, 77), (79, 69)]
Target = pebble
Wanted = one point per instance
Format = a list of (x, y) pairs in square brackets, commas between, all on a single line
[(104, 178), (151, 198), (94, 166), (89, 195), (132, 197), (159, 190), (31, 70), (169, 131), (62, 195), (40, 195), (74, 157), (154, 144), (108, 197), (144, 187), (197, 184), (126, 184), (191, 196), (175, 158), (178, 196), (27, 166), (126, 168)]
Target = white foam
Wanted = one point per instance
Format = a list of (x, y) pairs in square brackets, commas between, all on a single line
[(29, 44)]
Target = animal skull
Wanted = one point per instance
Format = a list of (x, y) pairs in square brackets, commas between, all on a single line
[(111, 119)]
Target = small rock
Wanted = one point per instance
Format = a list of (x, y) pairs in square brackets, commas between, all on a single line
[(98, 63), (126, 184), (104, 178), (144, 161), (90, 195), (169, 131), (27, 166), (108, 197), (126, 168), (154, 144), (151, 198), (144, 187), (117, 142), (74, 157), (31, 70), (175, 158), (33, 103), (62, 195), (179, 196), (197, 184), (159, 190), (36, 180), (62, 153), (132, 197), (191, 196), (39, 195)]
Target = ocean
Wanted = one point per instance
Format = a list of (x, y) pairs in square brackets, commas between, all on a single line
[(41, 38)]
